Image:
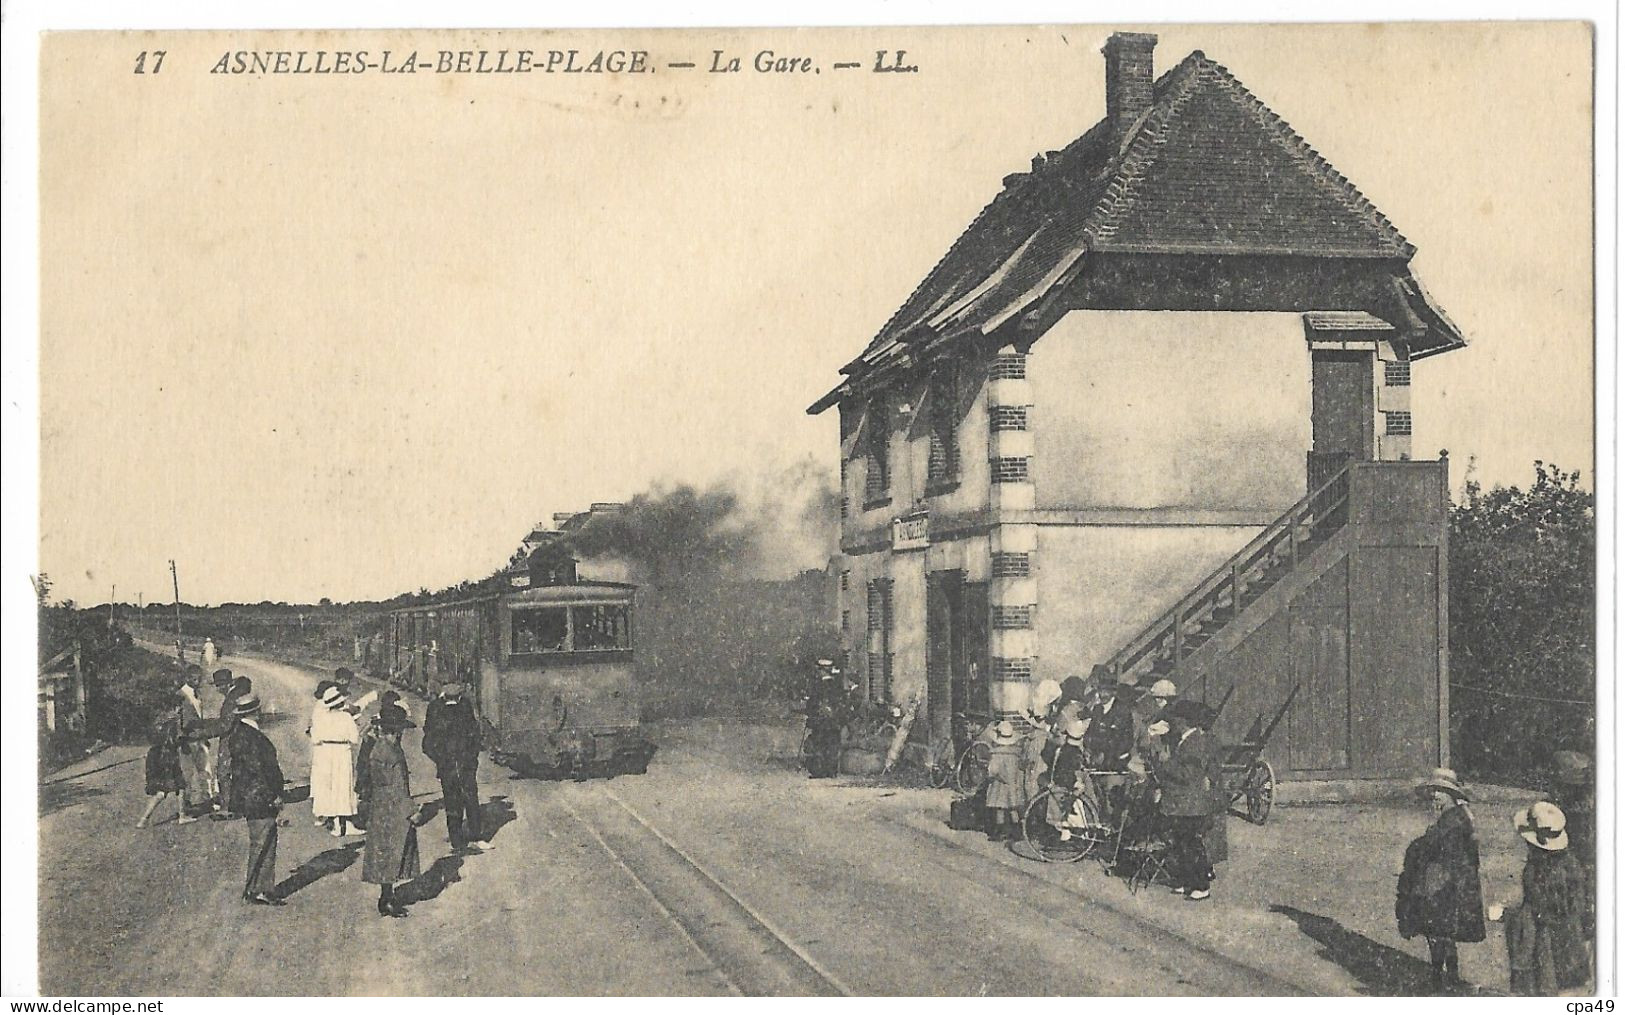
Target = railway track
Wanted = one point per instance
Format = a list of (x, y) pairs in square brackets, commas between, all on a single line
[(1165, 956), (747, 951)]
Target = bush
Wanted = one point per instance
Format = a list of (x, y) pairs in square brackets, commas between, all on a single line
[(1522, 625)]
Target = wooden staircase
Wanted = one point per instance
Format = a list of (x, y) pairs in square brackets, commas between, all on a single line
[(1160, 650)]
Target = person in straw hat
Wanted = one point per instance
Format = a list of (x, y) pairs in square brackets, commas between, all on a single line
[(1151, 727), (333, 738), (1548, 946), (1065, 768), (1006, 785), (1440, 896), (256, 795), (391, 856)]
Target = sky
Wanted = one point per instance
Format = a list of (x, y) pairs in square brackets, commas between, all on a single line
[(349, 336)]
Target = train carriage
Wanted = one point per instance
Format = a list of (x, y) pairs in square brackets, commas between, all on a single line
[(549, 665)]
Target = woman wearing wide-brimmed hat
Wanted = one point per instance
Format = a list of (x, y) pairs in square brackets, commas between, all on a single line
[(1548, 946), (333, 738), (392, 841), (1440, 896)]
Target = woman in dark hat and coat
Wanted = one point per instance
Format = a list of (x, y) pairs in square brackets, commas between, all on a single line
[(391, 856), (1440, 896)]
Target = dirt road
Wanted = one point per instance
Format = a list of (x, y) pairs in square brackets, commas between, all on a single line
[(723, 870)]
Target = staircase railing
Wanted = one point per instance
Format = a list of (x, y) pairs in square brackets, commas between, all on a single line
[(1320, 513)]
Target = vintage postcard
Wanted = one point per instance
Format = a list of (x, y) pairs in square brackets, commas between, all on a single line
[(954, 511)]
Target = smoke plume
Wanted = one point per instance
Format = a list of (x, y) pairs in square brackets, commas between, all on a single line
[(767, 526)]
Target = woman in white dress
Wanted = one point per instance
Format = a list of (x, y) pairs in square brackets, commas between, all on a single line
[(333, 738)]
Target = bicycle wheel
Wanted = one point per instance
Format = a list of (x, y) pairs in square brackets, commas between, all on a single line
[(1078, 834), (1260, 791), (942, 765), (971, 771)]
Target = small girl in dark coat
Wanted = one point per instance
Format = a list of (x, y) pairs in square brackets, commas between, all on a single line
[(1440, 896), (164, 775), (1548, 948)]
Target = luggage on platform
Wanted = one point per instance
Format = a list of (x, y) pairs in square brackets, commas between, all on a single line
[(969, 813)]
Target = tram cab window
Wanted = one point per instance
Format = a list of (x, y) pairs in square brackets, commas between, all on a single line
[(601, 627), (541, 630)]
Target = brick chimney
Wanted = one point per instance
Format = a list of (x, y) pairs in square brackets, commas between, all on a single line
[(1128, 79)]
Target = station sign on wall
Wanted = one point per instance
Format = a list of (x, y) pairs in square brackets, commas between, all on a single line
[(911, 531)]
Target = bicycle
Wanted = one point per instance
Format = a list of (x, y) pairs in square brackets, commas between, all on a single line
[(1063, 826), (970, 771), (1066, 825)]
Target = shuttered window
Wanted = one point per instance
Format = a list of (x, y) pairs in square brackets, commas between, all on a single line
[(879, 668), (877, 453), (942, 466)]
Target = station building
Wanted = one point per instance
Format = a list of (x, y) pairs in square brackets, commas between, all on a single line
[(1152, 411)]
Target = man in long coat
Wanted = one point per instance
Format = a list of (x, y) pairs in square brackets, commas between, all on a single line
[(1440, 896), (256, 794), (232, 690), (391, 855), (451, 739), (826, 716), (1187, 781)]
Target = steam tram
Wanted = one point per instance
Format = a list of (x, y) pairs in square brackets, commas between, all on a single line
[(548, 660)]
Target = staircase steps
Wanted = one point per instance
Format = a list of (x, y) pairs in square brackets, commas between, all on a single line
[(1247, 577)]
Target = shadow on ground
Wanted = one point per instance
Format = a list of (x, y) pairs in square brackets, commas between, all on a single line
[(1383, 971), (495, 813), (55, 796), (442, 874), (331, 861)]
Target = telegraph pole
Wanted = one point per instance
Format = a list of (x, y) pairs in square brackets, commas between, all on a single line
[(111, 599), (180, 653)]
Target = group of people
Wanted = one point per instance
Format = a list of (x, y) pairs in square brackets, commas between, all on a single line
[(1144, 759), (359, 780), (1550, 930)]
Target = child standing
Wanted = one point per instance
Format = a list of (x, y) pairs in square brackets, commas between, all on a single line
[(1548, 948), (1005, 783), (1440, 896)]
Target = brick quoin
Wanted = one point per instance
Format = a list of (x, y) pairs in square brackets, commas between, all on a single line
[(1009, 417), (1010, 470), (1012, 565)]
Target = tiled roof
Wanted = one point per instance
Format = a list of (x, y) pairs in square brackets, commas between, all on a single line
[(1209, 169)]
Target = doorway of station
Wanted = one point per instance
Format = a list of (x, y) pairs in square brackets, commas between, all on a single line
[(956, 625)]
